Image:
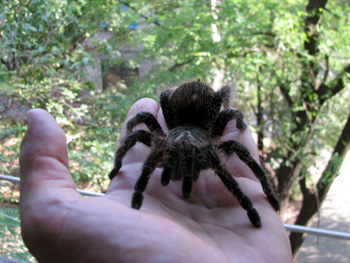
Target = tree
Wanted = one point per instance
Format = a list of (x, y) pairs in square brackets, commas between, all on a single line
[(314, 93), (44, 51), (312, 200), (287, 60), (290, 61)]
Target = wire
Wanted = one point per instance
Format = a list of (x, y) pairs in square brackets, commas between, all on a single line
[(317, 231), (10, 217), (292, 228), (17, 180)]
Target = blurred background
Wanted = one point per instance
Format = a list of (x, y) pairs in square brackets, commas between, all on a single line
[(86, 62)]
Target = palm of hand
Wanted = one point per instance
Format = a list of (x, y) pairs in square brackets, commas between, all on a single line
[(59, 225)]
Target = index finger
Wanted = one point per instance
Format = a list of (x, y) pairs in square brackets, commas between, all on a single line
[(235, 142), (243, 136)]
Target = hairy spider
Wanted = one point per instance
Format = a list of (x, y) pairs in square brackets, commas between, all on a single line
[(192, 114)]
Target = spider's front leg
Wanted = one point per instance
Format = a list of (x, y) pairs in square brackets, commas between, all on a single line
[(190, 169), (231, 184), (148, 119), (171, 166), (223, 118), (184, 165), (223, 96), (242, 152), (153, 160), (130, 140)]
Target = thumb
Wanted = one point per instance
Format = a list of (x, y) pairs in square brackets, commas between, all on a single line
[(43, 158)]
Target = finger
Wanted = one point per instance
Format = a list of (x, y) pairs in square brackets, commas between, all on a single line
[(161, 120), (242, 136), (232, 162), (145, 104), (43, 158), (139, 152)]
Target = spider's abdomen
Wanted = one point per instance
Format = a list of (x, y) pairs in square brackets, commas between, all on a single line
[(193, 104)]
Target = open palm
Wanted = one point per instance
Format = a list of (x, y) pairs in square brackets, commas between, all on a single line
[(58, 225)]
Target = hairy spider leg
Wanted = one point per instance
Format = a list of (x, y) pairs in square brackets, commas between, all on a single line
[(171, 165), (153, 160), (223, 118), (242, 152), (223, 96), (130, 140), (148, 119), (164, 103), (190, 171), (232, 185)]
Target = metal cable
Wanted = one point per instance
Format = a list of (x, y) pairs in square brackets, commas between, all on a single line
[(292, 228)]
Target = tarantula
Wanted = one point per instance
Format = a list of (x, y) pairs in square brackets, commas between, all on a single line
[(195, 122)]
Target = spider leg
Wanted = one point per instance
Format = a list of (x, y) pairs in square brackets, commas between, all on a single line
[(166, 175), (190, 170), (223, 118), (148, 119), (223, 96), (164, 103), (154, 159), (171, 165), (242, 152), (232, 185), (130, 140)]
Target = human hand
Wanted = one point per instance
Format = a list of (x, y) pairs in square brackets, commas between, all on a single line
[(58, 225)]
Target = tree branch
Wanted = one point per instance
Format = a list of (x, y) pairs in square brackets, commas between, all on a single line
[(325, 92), (259, 114), (285, 93), (7, 64), (141, 15), (313, 201), (304, 190), (315, 9), (325, 76), (177, 65), (331, 172)]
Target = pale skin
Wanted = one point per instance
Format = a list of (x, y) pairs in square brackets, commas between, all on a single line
[(58, 225)]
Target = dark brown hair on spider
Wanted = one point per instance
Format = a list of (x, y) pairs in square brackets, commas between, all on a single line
[(196, 117)]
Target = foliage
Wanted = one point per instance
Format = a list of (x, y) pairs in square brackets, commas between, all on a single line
[(44, 55), (288, 62), (10, 236), (260, 42)]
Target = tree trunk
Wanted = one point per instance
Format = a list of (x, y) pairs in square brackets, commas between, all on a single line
[(291, 165), (313, 201), (259, 115)]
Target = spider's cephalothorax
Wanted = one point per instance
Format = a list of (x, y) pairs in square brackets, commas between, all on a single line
[(195, 122)]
